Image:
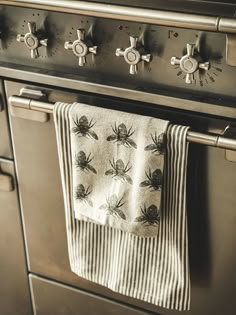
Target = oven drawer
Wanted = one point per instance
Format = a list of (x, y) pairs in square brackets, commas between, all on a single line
[(14, 286), (51, 298), (5, 142)]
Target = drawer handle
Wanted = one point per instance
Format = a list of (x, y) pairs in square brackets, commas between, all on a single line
[(6, 183)]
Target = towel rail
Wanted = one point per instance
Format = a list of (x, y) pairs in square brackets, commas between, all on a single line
[(196, 137)]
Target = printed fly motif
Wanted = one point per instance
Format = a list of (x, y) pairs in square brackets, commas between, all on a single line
[(158, 145), (122, 136), (83, 127), (154, 180), (82, 194), (150, 215), (83, 163), (119, 170), (113, 206)]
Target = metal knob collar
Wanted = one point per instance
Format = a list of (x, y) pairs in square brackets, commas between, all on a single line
[(32, 41), (189, 64), (133, 55), (80, 48)]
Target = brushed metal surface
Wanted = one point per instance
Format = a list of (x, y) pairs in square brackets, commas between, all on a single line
[(5, 139), (52, 298), (227, 25), (206, 105), (230, 49), (6, 182), (162, 42), (14, 285), (213, 8), (141, 15), (230, 132), (230, 156), (211, 208), (20, 103)]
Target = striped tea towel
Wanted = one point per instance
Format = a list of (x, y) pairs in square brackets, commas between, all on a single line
[(117, 168), (152, 269)]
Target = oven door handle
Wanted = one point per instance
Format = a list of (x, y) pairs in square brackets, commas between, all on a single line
[(196, 137)]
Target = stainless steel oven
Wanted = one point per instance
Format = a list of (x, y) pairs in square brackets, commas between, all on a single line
[(185, 73)]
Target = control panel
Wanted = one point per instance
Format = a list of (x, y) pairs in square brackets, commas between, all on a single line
[(133, 54)]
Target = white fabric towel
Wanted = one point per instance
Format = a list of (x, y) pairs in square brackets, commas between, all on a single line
[(153, 269), (117, 168)]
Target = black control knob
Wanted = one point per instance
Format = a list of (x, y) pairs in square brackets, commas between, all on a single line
[(133, 55), (80, 47), (32, 40), (189, 63)]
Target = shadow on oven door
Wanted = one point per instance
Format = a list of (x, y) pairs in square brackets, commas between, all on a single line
[(211, 212), (5, 142)]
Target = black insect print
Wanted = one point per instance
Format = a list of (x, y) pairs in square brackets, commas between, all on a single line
[(120, 170), (150, 216), (158, 145), (122, 136), (113, 206), (83, 127), (83, 162), (154, 180), (82, 194)]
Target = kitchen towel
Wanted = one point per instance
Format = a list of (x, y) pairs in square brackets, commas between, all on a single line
[(152, 269), (117, 168)]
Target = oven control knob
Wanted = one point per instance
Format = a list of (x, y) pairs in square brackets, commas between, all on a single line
[(32, 41), (80, 47), (189, 63), (133, 55)]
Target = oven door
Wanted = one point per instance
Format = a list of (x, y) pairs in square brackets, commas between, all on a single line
[(211, 211)]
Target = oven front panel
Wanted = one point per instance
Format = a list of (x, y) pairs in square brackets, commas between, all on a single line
[(211, 207), (158, 75)]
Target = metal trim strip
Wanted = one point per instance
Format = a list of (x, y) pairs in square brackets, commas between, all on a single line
[(118, 12), (115, 91)]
